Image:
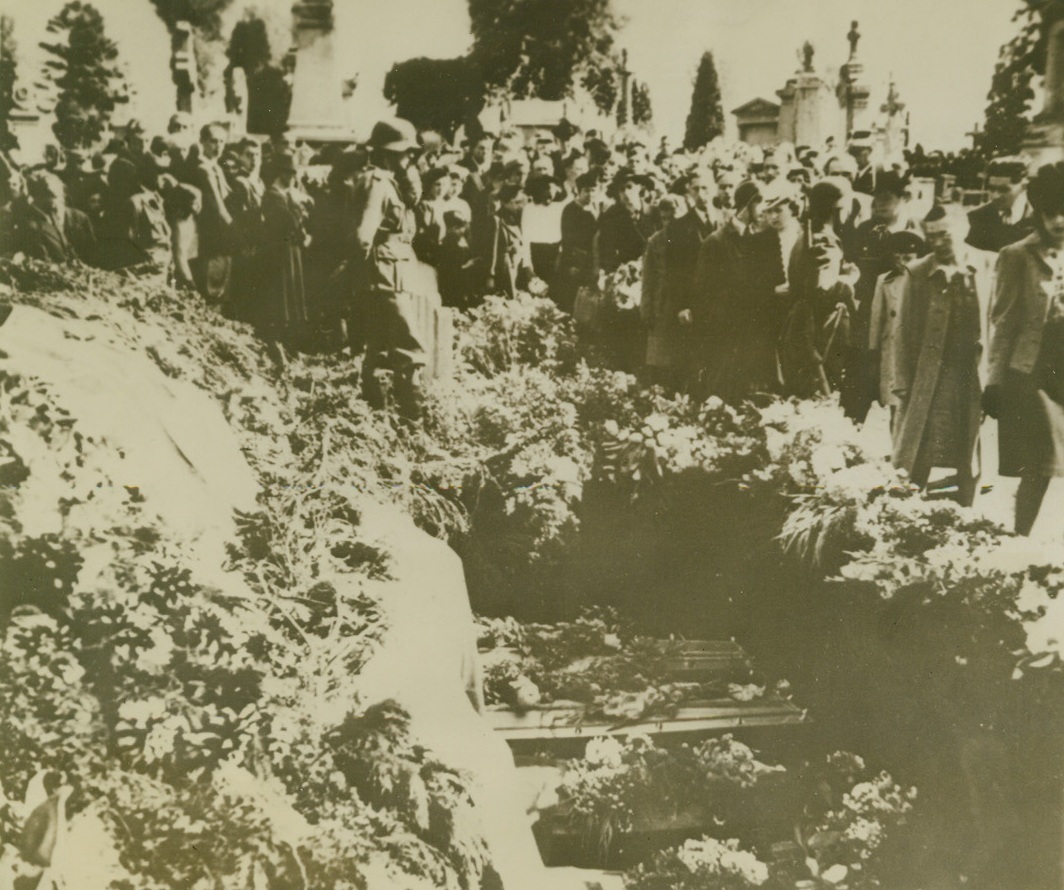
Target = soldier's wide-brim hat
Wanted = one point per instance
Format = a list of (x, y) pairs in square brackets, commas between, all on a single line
[(395, 135)]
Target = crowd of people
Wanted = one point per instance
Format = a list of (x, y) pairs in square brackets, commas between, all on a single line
[(731, 271)]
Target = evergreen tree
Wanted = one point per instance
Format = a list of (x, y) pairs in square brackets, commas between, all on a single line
[(436, 94), (8, 74), (642, 109), (706, 119), (1009, 100), (540, 48), (89, 79), (601, 83)]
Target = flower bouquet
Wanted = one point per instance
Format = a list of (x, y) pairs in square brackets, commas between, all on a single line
[(622, 288)]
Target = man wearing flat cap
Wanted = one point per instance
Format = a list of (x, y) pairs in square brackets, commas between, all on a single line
[(386, 193)]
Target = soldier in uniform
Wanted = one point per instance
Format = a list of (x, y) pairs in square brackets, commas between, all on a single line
[(386, 193)]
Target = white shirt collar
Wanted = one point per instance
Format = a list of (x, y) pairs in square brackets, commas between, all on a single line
[(1018, 210)]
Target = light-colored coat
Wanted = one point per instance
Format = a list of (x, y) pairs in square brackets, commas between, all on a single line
[(924, 320), (1018, 309), (883, 328)]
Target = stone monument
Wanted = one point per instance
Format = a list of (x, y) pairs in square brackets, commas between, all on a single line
[(183, 66), (894, 127), (318, 113), (1045, 136), (852, 92), (809, 111)]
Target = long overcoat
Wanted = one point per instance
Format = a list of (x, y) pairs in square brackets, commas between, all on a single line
[(929, 316)]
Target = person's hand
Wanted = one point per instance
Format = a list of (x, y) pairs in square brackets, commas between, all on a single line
[(685, 316), (782, 290), (992, 401)]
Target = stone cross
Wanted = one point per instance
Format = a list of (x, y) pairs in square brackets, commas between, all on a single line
[(893, 105)]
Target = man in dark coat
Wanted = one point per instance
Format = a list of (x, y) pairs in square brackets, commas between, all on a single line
[(718, 309), (1007, 217), (766, 287), (212, 268), (51, 230), (576, 257), (685, 237)]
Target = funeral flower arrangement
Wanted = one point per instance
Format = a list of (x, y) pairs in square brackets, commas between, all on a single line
[(598, 662), (701, 864), (622, 785)]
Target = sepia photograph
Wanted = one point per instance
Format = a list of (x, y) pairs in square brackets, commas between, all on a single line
[(531, 445)]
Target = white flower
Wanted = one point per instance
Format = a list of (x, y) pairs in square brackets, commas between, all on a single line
[(836, 874), (827, 460), (1046, 634), (1032, 597), (604, 751)]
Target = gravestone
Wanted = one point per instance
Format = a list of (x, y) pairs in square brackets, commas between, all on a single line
[(317, 113)]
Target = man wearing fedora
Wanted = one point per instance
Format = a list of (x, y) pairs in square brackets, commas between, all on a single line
[(860, 149), (385, 196)]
